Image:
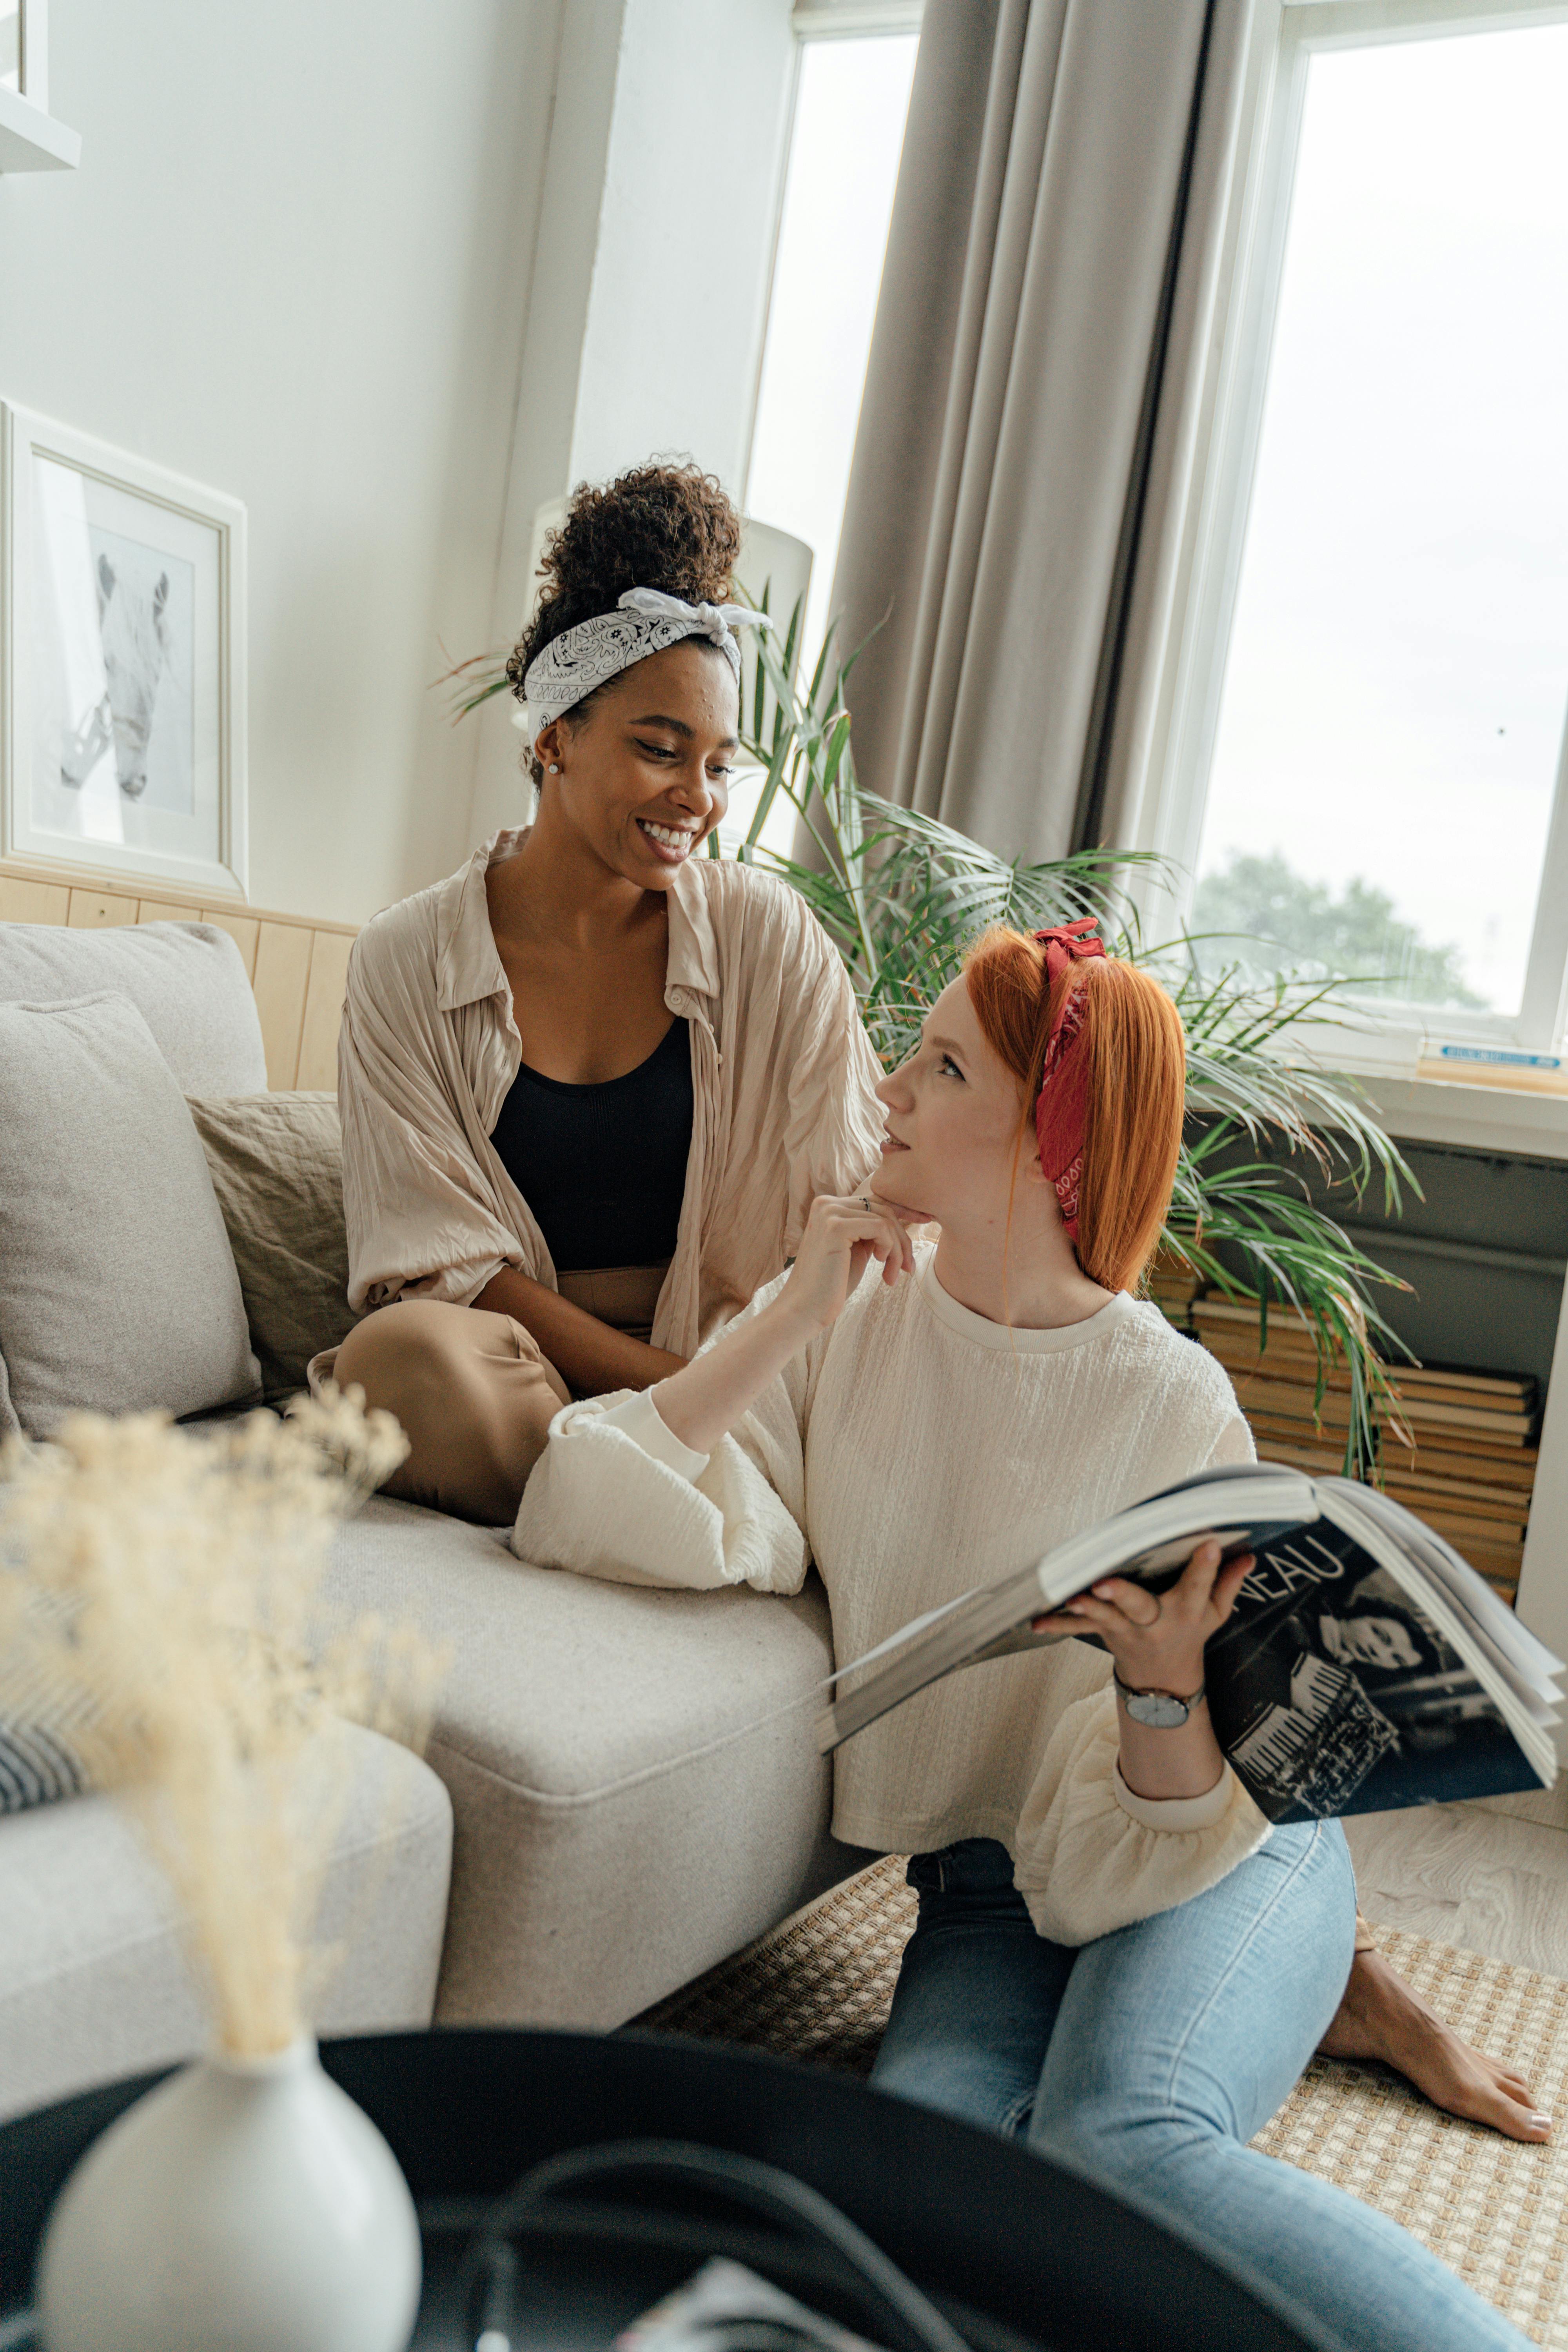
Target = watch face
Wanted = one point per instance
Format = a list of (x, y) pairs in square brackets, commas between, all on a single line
[(1161, 1710)]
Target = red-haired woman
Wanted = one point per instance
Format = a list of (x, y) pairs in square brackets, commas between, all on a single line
[(1117, 1957)]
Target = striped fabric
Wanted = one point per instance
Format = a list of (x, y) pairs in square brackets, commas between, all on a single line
[(38, 1761), (36, 1767)]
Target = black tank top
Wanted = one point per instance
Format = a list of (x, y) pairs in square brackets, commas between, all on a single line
[(604, 1168)]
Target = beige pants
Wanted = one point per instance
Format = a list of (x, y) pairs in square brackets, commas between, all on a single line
[(475, 1393)]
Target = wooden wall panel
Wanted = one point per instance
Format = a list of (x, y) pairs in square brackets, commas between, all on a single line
[(295, 967), (318, 1063), (243, 929), (33, 902), (280, 982), (94, 910)]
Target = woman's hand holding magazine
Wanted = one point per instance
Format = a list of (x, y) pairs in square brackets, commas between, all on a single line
[(1157, 1642), (1362, 1666)]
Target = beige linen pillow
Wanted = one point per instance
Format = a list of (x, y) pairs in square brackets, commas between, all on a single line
[(187, 981), (277, 1166), (117, 1289)]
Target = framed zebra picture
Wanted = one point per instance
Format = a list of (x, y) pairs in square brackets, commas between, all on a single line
[(121, 663)]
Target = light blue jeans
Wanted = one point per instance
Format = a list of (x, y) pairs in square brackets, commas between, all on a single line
[(1150, 2058)]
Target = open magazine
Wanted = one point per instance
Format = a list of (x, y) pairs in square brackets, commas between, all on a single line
[(1365, 1666)]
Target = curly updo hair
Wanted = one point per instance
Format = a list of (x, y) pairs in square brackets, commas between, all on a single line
[(659, 526)]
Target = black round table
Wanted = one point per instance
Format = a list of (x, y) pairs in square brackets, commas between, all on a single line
[(1019, 2252)]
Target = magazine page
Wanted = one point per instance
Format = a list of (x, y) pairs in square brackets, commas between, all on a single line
[(1241, 1506), (1405, 1549), (1490, 1619), (921, 1653), (1333, 1691)]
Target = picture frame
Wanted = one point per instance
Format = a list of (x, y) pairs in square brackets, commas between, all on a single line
[(14, 59), (31, 138), (122, 750)]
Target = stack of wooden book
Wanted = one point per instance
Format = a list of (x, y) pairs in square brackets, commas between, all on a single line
[(1458, 1448)]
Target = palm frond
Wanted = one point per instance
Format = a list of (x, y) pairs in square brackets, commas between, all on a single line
[(475, 681)]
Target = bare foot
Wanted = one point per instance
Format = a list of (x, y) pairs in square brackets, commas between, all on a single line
[(1380, 2017)]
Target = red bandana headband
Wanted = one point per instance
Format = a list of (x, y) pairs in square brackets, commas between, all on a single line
[(1062, 1105)]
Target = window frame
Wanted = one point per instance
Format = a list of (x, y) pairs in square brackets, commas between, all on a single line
[(1283, 38), (853, 20), (812, 21)]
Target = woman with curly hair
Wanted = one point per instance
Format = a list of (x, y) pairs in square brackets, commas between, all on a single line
[(590, 1084)]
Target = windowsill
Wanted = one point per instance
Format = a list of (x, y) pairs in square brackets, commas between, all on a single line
[(32, 140), (1482, 1118), (1392, 1063)]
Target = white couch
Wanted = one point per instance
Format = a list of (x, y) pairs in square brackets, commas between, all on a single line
[(622, 1785)]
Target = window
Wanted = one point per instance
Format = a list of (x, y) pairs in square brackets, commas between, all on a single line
[(849, 131), (1371, 770), (856, 67)]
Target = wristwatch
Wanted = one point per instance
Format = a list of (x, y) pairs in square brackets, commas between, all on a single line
[(1161, 1710)]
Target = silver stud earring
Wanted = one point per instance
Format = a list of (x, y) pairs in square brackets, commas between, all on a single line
[(554, 768)]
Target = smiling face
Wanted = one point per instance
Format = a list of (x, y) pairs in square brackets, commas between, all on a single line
[(954, 1112), (645, 772)]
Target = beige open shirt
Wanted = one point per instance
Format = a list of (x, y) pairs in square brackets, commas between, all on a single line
[(782, 1080)]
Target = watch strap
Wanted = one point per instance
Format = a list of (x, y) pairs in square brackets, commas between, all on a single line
[(1188, 1700)]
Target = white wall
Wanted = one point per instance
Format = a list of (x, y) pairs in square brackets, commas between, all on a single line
[(395, 273), (295, 264), (645, 329)]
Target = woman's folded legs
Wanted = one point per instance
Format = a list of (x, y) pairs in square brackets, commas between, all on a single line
[(977, 1994), (474, 1394), (1151, 2057)]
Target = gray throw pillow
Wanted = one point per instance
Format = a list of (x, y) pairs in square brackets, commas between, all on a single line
[(118, 1290), (277, 1166), (186, 980)]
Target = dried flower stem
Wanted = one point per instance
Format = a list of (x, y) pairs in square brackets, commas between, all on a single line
[(161, 1610)]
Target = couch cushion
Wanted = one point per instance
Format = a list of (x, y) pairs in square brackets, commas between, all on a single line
[(277, 1166), (186, 980), (93, 1978), (634, 1775), (117, 1286)]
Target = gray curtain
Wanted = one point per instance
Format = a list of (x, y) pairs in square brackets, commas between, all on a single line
[(1028, 420)]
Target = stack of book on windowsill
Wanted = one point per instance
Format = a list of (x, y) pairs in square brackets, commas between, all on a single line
[(1464, 1460)]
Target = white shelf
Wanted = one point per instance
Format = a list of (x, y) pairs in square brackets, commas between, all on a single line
[(1482, 1119), (32, 140)]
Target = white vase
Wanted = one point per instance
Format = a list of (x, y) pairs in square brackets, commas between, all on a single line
[(243, 2206)]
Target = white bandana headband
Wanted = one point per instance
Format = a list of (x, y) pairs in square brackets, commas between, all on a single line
[(645, 622)]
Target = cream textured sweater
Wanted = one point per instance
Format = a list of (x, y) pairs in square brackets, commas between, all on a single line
[(914, 1450)]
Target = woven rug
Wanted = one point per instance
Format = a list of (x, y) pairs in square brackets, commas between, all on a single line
[(817, 1989)]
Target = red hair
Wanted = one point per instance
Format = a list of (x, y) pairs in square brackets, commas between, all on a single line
[(1136, 1053)]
